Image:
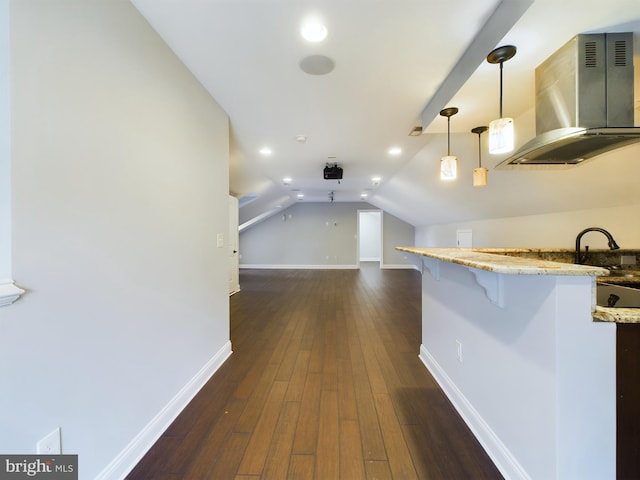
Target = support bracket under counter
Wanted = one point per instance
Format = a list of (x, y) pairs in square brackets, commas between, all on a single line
[(490, 269), (492, 283), (432, 265)]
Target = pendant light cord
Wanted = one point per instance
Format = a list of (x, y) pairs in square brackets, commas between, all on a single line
[(500, 55), (501, 63), (449, 136), (479, 131)]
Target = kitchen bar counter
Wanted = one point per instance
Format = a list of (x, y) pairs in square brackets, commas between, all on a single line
[(511, 340), (503, 261), (523, 261)]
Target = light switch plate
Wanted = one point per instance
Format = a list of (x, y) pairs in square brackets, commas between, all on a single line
[(220, 240)]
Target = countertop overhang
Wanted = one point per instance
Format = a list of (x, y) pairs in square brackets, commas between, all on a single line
[(493, 261), (506, 261)]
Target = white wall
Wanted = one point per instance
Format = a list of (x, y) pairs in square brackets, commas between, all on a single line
[(120, 185), (554, 230), (5, 171), (532, 372), (396, 233), (318, 235)]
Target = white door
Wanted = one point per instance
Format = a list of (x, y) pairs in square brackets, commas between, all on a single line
[(464, 238), (232, 245)]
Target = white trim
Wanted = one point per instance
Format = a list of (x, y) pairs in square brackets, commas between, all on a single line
[(5, 151), (399, 266), (497, 451), (9, 293), (300, 267), (325, 267), (128, 458)]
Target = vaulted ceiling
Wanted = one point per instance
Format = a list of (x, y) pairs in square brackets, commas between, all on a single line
[(392, 66)]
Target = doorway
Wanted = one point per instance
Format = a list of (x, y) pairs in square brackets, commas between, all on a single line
[(370, 236), (232, 246)]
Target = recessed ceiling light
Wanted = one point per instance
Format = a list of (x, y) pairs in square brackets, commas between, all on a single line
[(376, 180), (395, 151), (286, 180), (301, 138), (300, 196), (266, 151), (363, 195), (313, 31)]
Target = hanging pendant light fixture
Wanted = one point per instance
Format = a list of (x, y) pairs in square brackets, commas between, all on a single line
[(480, 174), (448, 163), (501, 130)]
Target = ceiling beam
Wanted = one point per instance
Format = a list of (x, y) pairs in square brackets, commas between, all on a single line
[(503, 18)]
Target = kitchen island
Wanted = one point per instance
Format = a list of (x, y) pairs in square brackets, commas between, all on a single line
[(513, 343)]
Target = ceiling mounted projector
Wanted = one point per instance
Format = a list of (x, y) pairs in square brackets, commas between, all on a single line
[(333, 172)]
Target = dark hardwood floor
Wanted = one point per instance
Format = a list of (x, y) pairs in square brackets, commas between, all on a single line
[(324, 383)]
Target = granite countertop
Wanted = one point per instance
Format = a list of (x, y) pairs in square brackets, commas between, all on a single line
[(525, 261), (500, 261), (616, 315)]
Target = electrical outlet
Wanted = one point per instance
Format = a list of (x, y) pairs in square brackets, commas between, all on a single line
[(220, 240), (627, 259), (50, 445), (459, 350)]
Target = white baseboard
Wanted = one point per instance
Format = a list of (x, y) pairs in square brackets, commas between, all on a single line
[(128, 458), (398, 266), (497, 451), (324, 267), (300, 267)]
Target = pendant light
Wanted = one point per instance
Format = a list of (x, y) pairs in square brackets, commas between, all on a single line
[(501, 130), (449, 163), (480, 174)]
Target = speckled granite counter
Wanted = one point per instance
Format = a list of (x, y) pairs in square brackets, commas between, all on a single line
[(493, 261), (523, 261), (617, 315), (564, 255)]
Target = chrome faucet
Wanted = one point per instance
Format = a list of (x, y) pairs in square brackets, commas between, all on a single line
[(581, 258)]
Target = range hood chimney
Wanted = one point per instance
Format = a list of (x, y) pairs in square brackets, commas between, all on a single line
[(584, 102)]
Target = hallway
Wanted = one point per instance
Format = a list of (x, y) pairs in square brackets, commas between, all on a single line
[(324, 383)]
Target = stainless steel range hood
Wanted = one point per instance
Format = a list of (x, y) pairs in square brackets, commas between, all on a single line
[(584, 102)]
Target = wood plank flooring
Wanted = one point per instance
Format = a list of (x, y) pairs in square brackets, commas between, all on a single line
[(324, 383)]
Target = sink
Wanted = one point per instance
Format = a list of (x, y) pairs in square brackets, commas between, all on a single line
[(624, 273), (618, 296)]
